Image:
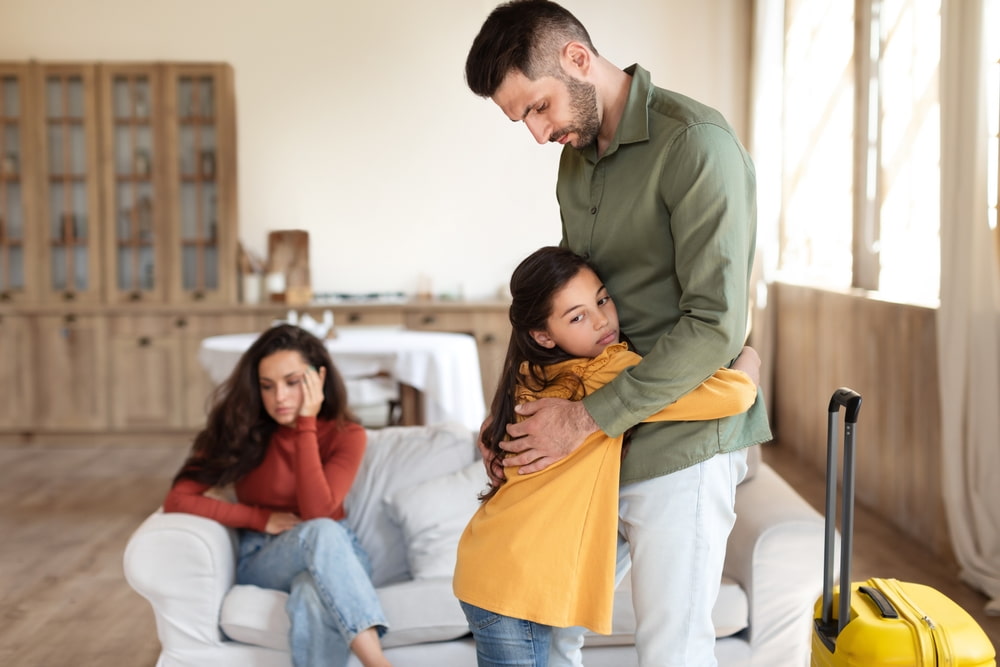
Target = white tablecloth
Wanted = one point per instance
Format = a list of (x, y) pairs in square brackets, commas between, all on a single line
[(443, 366)]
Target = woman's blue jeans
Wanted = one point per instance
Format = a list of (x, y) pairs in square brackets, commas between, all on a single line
[(326, 573), (502, 641)]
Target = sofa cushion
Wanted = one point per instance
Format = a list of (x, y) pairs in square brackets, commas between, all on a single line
[(432, 516), (416, 611), (255, 615), (397, 457)]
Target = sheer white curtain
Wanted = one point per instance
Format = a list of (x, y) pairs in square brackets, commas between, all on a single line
[(969, 315)]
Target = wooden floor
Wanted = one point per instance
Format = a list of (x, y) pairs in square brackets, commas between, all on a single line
[(67, 512), (65, 516)]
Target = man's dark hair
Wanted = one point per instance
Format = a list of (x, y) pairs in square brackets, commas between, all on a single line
[(524, 36)]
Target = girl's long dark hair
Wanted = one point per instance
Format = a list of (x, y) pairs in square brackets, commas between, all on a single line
[(238, 428), (533, 286)]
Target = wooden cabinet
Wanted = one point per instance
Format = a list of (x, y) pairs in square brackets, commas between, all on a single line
[(156, 380), (169, 178), (117, 195), (146, 373), (18, 173), (117, 183), (70, 364), (133, 369), (64, 124), (17, 374)]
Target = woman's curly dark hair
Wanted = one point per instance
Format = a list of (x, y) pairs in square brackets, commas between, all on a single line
[(238, 428)]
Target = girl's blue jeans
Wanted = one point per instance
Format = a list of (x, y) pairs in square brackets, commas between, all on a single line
[(327, 575), (502, 641)]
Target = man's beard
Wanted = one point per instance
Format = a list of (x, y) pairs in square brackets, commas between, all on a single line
[(586, 120)]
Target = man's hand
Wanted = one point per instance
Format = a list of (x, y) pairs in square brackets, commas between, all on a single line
[(554, 427)]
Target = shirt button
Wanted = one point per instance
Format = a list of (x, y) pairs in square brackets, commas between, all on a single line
[(593, 210)]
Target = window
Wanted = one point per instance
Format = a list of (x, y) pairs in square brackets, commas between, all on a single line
[(861, 158)]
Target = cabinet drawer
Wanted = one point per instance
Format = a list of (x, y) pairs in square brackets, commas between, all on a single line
[(364, 317), (438, 320)]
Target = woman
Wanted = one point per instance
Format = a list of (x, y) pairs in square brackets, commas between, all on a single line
[(280, 434)]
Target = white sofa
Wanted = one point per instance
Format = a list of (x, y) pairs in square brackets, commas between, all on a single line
[(414, 493)]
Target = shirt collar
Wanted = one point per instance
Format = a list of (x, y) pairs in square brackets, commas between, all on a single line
[(634, 124)]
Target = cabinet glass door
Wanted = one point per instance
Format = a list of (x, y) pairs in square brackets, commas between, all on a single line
[(70, 192), (200, 135), (13, 279), (133, 199), (199, 200)]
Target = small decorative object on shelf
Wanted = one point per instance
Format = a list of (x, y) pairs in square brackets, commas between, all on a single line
[(274, 285), (288, 252)]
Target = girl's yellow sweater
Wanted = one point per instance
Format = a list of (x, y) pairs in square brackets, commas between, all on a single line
[(543, 548)]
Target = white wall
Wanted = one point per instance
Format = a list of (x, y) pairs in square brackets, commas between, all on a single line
[(355, 123)]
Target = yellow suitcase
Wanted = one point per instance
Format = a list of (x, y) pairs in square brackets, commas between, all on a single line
[(885, 622)]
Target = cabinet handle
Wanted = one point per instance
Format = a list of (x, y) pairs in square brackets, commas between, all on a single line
[(181, 322), (69, 296), (5, 296), (144, 341), (135, 296), (354, 317), (489, 338), (428, 319), (199, 295), (70, 318)]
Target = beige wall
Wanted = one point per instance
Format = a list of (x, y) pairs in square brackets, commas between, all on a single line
[(355, 122)]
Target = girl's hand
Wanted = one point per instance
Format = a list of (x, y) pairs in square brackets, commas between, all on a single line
[(279, 522), (749, 363), (312, 391)]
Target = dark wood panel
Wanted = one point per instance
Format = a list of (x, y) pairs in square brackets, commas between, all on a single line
[(888, 353)]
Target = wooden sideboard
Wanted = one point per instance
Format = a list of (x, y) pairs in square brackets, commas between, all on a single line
[(107, 373)]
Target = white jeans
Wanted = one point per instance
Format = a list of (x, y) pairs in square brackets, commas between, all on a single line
[(675, 528)]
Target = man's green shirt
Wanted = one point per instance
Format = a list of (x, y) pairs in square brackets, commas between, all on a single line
[(668, 218)]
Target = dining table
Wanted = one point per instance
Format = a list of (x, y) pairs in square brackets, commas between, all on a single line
[(438, 372)]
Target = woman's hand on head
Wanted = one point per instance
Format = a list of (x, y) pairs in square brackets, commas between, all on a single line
[(279, 522), (312, 391)]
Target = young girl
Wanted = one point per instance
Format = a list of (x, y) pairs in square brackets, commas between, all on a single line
[(281, 433), (540, 551)]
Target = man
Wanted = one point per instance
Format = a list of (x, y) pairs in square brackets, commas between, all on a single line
[(656, 191)]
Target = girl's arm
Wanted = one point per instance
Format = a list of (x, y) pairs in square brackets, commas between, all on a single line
[(189, 497), (728, 392), (325, 471)]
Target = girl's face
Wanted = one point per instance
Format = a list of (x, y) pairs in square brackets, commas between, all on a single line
[(583, 320), (281, 385)]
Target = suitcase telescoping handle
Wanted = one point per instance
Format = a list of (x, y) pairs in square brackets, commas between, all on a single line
[(850, 400)]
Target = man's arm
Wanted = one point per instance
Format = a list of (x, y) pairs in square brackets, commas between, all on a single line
[(712, 224), (553, 428), (708, 185)]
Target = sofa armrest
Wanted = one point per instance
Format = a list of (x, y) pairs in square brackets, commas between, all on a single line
[(775, 552), (183, 565)]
